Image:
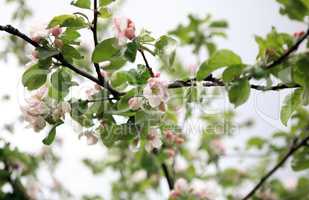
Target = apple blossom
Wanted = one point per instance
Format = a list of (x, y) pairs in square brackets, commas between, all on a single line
[(181, 185), (154, 140), (203, 193), (55, 31), (135, 103), (156, 92), (91, 138), (169, 136), (38, 32), (61, 109), (179, 140), (171, 153), (217, 146), (124, 29), (35, 109)]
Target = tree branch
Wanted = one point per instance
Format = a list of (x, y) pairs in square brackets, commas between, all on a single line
[(146, 62), (10, 29), (168, 177), (292, 150), (286, 55), (95, 38)]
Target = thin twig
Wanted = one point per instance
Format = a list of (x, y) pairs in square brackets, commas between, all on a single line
[(95, 38), (146, 62), (169, 179), (10, 29), (292, 150)]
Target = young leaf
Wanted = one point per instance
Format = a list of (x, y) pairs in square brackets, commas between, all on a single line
[(82, 3), (34, 77), (69, 21), (231, 73), (131, 51), (45, 53), (166, 50), (61, 82), (291, 103), (221, 58), (49, 139), (239, 92), (105, 12), (105, 2), (105, 50)]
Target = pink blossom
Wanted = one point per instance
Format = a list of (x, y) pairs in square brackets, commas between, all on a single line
[(55, 31), (124, 29), (135, 103), (35, 109), (217, 146), (171, 153), (92, 139), (179, 140), (60, 110), (169, 136), (202, 193), (38, 32), (156, 92), (154, 140), (174, 194), (181, 185)]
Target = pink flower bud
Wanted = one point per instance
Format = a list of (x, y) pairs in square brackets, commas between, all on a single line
[(174, 194), (130, 33), (135, 103), (157, 74), (55, 31), (58, 43), (179, 140), (171, 153), (169, 136)]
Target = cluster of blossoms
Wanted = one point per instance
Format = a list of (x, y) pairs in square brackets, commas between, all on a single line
[(182, 190), (172, 139), (299, 34), (40, 33), (38, 109)]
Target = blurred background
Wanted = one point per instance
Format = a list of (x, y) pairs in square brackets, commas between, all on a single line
[(246, 19)]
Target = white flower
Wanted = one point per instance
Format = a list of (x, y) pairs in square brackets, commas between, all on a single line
[(154, 140), (135, 103), (61, 109), (181, 185), (156, 92), (217, 147), (35, 109), (92, 139), (38, 32), (124, 29), (105, 63)]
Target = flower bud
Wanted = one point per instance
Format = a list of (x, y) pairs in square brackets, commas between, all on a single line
[(58, 43), (135, 103), (55, 31)]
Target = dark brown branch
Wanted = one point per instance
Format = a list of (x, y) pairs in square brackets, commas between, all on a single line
[(169, 179), (295, 146), (10, 29), (146, 62), (95, 38)]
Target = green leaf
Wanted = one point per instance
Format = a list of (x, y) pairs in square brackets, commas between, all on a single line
[(69, 21), (45, 53), (105, 50), (34, 77), (294, 9), (119, 78), (231, 73), (105, 2), (239, 92), (165, 48), (61, 82), (219, 24), (105, 12), (221, 58), (70, 53), (82, 3), (51, 135), (256, 142), (131, 51), (70, 35), (291, 103), (301, 160)]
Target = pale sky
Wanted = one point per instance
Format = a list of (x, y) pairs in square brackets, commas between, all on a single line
[(246, 18)]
